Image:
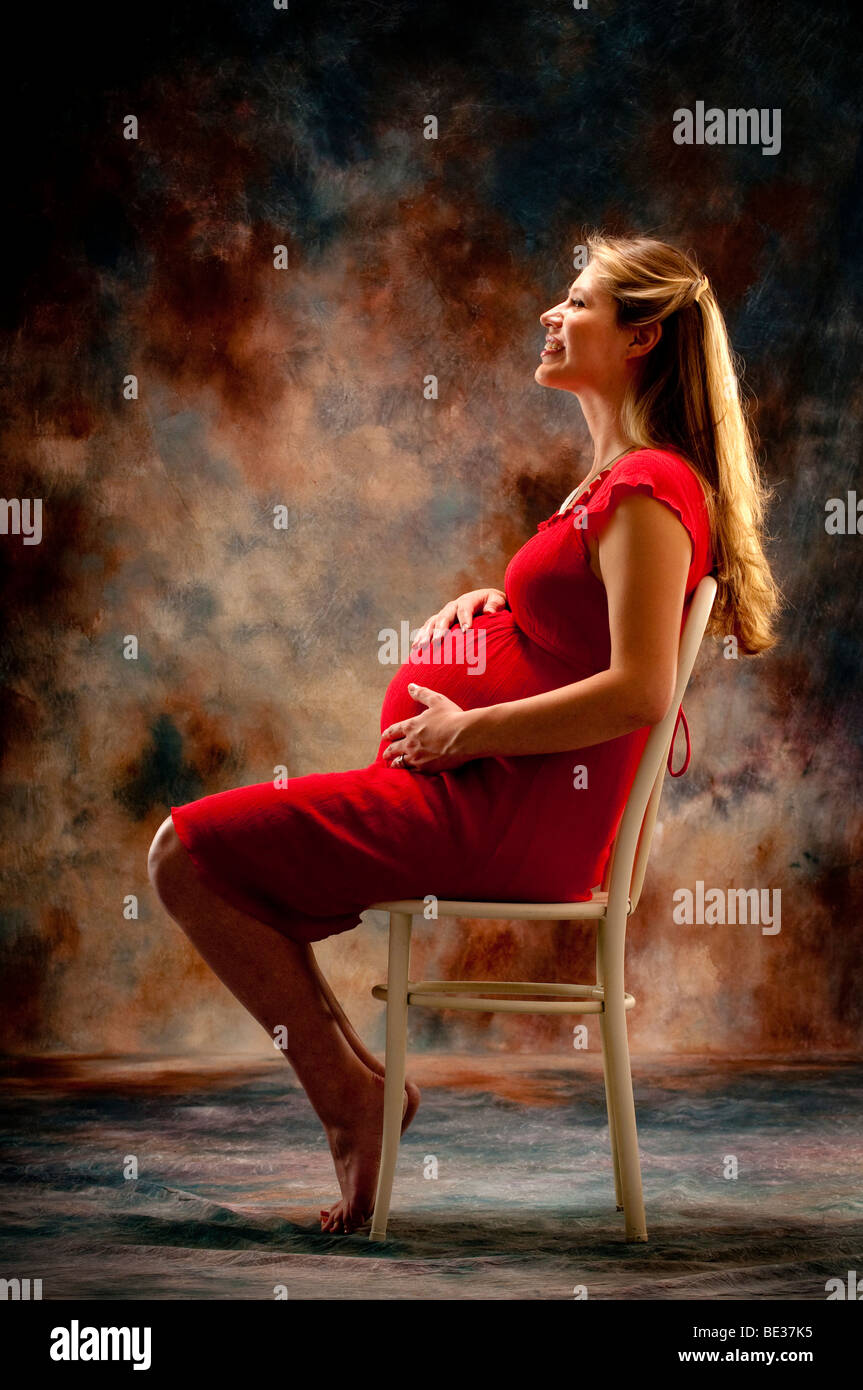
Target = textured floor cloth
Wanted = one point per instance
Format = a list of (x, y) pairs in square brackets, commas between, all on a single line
[(233, 1170)]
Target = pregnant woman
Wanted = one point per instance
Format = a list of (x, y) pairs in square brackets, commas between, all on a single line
[(510, 737)]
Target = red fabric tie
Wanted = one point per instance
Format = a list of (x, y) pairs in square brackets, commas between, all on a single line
[(680, 771)]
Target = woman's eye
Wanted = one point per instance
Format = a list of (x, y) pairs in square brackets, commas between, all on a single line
[(576, 301)]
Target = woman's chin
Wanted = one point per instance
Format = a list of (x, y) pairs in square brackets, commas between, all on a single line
[(545, 375)]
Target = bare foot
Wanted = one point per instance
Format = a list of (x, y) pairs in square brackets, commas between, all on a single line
[(356, 1149)]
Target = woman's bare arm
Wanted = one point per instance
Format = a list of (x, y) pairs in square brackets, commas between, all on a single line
[(644, 556)]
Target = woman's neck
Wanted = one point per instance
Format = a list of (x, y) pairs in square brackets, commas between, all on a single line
[(602, 416)]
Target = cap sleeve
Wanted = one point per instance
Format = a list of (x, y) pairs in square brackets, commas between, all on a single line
[(662, 475)]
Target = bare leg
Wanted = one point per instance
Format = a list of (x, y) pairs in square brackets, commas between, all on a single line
[(332, 1219), (356, 1042), (279, 982)]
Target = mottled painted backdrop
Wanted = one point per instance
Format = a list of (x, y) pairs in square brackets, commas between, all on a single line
[(303, 387)]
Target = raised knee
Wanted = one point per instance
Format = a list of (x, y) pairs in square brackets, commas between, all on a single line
[(167, 859)]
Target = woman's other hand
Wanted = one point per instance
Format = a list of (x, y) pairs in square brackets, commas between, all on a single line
[(462, 609)]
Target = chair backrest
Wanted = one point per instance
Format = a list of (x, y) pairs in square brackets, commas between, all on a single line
[(627, 865)]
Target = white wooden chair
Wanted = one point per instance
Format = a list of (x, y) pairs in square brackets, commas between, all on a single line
[(609, 909)]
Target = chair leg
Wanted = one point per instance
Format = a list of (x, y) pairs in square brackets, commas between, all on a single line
[(623, 1106), (609, 1105), (396, 1065), (606, 1077)]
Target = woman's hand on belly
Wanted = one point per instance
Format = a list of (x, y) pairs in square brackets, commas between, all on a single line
[(431, 741), (463, 608)]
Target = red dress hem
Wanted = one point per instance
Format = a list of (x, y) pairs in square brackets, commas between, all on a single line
[(305, 929)]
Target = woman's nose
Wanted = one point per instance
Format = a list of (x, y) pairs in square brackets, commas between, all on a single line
[(549, 318)]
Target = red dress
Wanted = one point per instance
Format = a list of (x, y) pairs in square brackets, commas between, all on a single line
[(310, 857)]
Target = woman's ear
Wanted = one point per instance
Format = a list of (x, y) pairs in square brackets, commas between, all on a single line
[(642, 338)]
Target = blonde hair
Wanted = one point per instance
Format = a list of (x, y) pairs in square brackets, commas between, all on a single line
[(688, 397)]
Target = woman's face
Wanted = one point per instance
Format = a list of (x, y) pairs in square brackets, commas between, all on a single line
[(586, 347)]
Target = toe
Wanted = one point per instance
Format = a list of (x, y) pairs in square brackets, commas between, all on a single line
[(331, 1220)]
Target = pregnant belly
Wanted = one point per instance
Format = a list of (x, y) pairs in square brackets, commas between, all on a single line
[(494, 661)]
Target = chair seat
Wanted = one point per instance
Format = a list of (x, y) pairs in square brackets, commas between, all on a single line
[(594, 908)]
